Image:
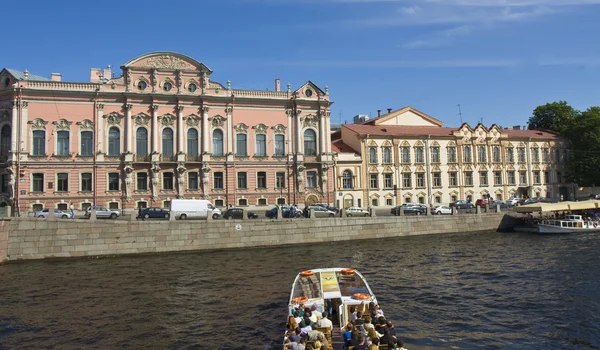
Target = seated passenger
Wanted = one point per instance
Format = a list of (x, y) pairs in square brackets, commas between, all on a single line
[(295, 336), (323, 339), (324, 321), (387, 337), (318, 345), (292, 324), (297, 316), (374, 344), (359, 321), (348, 334), (313, 335), (353, 313), (360, 343)]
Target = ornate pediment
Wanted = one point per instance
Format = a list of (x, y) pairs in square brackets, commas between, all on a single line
[(310, 121), (419, 144), (388, 169), (113, 118), (406, 169), (167, 119), (62, 124), (372, 143), (470, 192), (373, 169), (436, 169), (483, 167), (405, 144), (497, 167), (86, 124), (142, 119), (279, 129), (38, 124), (468, 168), (192, 121), (166, 61), (387, 143), (435, 144), (260, 128), (511, 167), (217, 121), (241, 128), (452, 168), (522, 167), (420, 169)]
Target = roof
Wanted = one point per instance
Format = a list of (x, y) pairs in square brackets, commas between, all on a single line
[(561, 206), (534, 134), (339, 146), (21, 75), (401, 111), (399, 130)]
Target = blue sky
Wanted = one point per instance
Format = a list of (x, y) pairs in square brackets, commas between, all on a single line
[(498, 59)]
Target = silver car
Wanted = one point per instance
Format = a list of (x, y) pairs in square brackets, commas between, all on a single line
[(321, 212), (103, 212), (356, 211), (44, 213)]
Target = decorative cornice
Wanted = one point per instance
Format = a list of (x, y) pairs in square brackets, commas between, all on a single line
[(241, 128), (100, 106), (260, 128), (113, 118), (205, 109), (62, 124), (38, 124), (86, 124)]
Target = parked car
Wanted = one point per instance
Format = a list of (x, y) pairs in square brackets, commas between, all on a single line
[(103, 212), (482, 202), (184, 209), (462, 205), (329, 207), (410, 209), (238, 213), (154, 213), (57, 214), (512, 202), (356, 211), (287, 212), (321, 212), (441, 210)]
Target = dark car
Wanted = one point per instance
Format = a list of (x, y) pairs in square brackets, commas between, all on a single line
[(462, 205), (410, 210), (154, 213), (329, 207), (287, 212), (238, 213)]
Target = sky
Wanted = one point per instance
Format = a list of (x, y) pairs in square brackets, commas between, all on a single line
[(497, 59)]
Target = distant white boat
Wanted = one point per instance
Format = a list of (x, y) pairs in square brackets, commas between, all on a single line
[(570, 224)]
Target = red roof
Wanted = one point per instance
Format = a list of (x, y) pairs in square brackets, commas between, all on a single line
[(399, 130), (534, 134), (338, 146)]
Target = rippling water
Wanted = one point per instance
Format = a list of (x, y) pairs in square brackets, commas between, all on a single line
[(488, 290)]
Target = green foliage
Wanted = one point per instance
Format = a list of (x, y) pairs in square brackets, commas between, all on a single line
[(555, 116), (583, 134)]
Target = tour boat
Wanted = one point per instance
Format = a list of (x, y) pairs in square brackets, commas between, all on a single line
[(570, 224), (340, 288)]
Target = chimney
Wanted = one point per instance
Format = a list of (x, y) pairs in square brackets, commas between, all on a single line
[(56, 77), (107, 73), (26, 74), (389, 110), (379, 113), (95, 74), (517, 127), (277, 85)]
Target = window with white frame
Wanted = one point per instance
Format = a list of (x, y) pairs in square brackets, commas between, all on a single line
[(483, 178), (261, 145), (496, 154), (387, 155), (482, 154), (467, 154), (279, 145), (510, 155), (261, 180), (497, 178), (242, 180), (419, 155), (511, 177), (388, 181), (405, 155), (62, 143), (62, 182), (218, 180), (280, 179), (217, 143), (192, 143), (347, 180), (87, 143), (141, 142), (167, 142), (114, 141), (452, 154), (38, 182), (374, 181), (372, 155), (241, 142), (468, 178), (113, 181), (39, 143), (86, 182), (311, 179), (435, 154), (453, 178), (420, 180), (406, 180), (437, 179), (310, 142)]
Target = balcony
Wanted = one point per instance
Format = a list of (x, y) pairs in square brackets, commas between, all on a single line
[(193, 158), (168, 158), (142, 158)]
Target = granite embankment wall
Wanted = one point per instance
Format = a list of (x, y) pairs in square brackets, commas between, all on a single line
[(22, 238)]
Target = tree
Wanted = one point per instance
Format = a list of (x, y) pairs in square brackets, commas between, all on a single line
[(555, 116), (583, 134)]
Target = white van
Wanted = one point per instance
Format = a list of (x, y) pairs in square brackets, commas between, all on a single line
[(193, 209)]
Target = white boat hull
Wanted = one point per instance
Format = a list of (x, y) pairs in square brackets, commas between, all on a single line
[(542, 228)]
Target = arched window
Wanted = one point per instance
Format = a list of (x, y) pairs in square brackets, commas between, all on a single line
[(87, 143), (167, 142), (62, 143), (496, 151), (217, 148), (347, 180), (39, 143), (141, 142), (5, 140), (241, 145), (261, 145), (114, 141), (372, 155), (467, 155), (279, 145), (405, 155), (482, 154), (310, 143), (192, 142), (387, 155)]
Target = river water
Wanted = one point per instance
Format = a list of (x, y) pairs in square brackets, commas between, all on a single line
[(486, 290)]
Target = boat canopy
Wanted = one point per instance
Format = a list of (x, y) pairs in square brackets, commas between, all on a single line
[(561, 206)]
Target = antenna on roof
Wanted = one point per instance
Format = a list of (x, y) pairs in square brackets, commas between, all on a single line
[(460, 113)]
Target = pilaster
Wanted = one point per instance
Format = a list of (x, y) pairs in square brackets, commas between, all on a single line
[(205, 129), (99, 134), (228, 113), (180, 147), (288, 131), (14, 127), (155, 126), (128, 129), (24, 119)]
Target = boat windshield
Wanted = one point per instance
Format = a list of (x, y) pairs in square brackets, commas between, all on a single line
[(351, 284), (307, 286), (343, 285)]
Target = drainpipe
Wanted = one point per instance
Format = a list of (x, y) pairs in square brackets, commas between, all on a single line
[(17, 198), (294, 149), (95, 165)]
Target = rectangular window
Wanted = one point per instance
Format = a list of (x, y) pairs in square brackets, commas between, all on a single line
[(558, 177), (546, 177), (388, 201), (521, 151), (86, 182), (497, 178), (62, 182), (113, 181), (482, 154), (279, 145), (536, 155), (523, 177), (311, 179), (388, 181), (62, 143), (406, 180), (242, 180), (39, 143), (218, 180), (420, 180), (511, 178), (437, 179), (373, 183), (240, 143), (419, 155), (467, 154), (280, 176), (192, 180), (4, 183), (438, 199), (565, 156), (142, 182), (556, 155), (372, 155), (405, 155), (483, 178), (546, 155), (468, 178), (167, 181), (261, 179), (537, 177), (261, 145), (87, 143), (453, 198), (387, 155), (38, 182), (510, 155), (453, 178), (451, 154), (435, 154)]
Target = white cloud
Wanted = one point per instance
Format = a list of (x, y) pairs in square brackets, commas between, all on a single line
[(389, 64)]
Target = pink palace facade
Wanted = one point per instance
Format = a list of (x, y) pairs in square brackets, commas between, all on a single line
[(162, 130)]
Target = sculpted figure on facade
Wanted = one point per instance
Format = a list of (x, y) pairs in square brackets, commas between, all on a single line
[(127, 79), (128, 169), (86, 124), (113, 118), (279, 129), (205, 171), (155, 174), (192, 120), (310, 121), (300, 178), (62, 124), (217, 121), (260, 128), (167, 62), (167, 120), (12, 181), (38, 124), (181, 170), (241, 128), (142, 119), (154, 80)]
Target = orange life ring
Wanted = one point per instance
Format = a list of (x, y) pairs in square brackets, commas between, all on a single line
[(361, 296), (307, 273), (348, 272), (300, 300)]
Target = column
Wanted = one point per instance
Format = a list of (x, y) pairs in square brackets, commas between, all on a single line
[(99, 127), (228, 113), (24, 116), (180, 147), (205, 129), (328, 132), (288, 131), (128, 129), (321, 133), (14, 127), (297, 131), (155, 129)]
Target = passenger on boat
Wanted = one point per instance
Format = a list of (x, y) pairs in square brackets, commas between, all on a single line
[(318, 345), (360, 343), (313, 335), (292, 324), (387, 336), (348, 334), (353, 314), (374, 344), (359, 320), (367, 325), (300, 345), (323, 339), (380, 324), (295, 336), (324, 321), (297, 317), (373, 334)]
